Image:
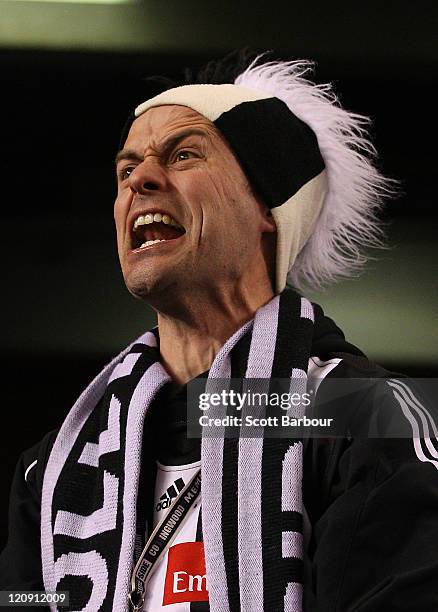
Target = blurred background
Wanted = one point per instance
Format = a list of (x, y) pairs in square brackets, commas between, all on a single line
[(72, 71)]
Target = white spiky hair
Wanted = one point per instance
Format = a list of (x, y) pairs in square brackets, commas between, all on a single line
[(348, 221)]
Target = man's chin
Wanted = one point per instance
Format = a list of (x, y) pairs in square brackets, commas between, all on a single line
[(147, 289)]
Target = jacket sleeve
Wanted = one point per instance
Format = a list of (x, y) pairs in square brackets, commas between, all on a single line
[(20, 561), (374, 544)]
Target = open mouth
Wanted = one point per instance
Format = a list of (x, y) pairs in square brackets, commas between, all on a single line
[(153, 228)]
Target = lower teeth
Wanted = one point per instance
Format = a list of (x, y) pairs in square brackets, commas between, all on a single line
[(149, 242)]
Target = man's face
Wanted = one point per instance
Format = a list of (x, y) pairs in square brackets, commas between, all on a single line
[(175, 163)]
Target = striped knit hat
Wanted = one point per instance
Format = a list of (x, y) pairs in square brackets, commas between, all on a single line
[(306, 157)]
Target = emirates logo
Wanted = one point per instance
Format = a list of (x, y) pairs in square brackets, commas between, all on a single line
[(186, 578)]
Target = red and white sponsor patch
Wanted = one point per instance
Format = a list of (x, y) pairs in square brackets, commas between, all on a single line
[(186, 578)]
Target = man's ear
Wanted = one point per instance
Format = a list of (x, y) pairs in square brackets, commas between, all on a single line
[(272, 227), (269, 246)]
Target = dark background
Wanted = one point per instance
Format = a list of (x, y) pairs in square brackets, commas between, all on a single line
[(66, 312)]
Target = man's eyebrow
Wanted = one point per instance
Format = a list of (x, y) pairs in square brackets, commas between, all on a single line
[(166, 146), (169, 143), (127, 154)]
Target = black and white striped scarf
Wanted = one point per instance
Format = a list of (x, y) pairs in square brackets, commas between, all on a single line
[(252, 514)]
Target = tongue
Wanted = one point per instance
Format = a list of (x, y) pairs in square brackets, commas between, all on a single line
[(160, 231)]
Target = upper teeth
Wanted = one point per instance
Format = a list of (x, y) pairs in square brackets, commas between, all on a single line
[(157, 217)]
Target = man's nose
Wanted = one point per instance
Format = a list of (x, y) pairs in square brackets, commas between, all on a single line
[(146, 177)]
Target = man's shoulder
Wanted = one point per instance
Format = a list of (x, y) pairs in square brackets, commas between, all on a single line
[(357, 385), (350, 365), (389, 418)]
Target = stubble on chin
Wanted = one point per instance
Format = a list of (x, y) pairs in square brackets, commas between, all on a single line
[(149, 288)]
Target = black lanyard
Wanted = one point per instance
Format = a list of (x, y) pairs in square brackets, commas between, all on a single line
[(160, 539)]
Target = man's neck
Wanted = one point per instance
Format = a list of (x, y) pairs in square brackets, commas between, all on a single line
[(190, 342)]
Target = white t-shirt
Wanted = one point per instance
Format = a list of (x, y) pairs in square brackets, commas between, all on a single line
[(180, 576)]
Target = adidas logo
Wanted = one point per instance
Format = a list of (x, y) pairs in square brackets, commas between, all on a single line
[(170, 494)]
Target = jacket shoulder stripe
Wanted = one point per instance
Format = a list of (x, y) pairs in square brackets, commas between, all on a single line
[(418, 417), (33, 464)]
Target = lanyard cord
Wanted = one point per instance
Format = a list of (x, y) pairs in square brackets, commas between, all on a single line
[(160, 540)]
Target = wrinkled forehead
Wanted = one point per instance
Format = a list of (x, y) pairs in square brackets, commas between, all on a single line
[(278, 152), (158, 122)]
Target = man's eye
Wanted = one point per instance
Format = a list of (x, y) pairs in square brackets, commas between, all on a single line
[(183, 155), (125, 173)]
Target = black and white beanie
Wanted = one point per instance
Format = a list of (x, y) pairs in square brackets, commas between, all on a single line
[(308, 159)]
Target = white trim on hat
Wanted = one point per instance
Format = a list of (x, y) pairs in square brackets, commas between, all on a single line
[(211, 101), (295, 221)]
